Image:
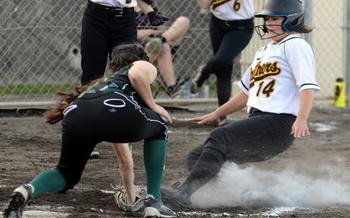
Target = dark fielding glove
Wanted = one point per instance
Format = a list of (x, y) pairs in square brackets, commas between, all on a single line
[(156, 19)]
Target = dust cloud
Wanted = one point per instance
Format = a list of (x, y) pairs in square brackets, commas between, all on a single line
[(252, 187)]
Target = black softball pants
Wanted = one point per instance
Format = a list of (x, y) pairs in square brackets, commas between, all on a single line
[(259, 137), (114, 117), (228, 39), (102, 30)]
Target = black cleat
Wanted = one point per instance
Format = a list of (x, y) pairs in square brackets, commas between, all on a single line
[(18, 201), (194, 88), (156, 208), (174, 197), (174, 91)]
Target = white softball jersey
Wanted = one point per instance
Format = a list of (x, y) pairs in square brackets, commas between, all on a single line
[(232, 9), (117, 3), (278, 73)]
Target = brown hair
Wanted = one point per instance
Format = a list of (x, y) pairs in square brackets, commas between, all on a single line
[(122, 55), (55, 113), (305, 29)]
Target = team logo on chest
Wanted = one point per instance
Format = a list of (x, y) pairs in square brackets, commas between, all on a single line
[(217, 3), (263, 70), (260, 73)]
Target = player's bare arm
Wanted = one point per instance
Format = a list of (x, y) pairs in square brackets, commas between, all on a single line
[(300, 127), (236, 103), (141, 76)]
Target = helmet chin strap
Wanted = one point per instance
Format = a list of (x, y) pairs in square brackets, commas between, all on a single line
[(261, 30)]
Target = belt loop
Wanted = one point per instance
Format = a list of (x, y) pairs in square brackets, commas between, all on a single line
[(249, 110)]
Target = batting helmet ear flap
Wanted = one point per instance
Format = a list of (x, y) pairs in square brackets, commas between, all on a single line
[(293, 23)]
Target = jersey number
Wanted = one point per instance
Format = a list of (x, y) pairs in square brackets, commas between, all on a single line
[(128, 1), (236, 5), (266, 89)]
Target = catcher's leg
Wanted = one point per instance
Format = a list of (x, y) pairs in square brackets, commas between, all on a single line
[(154, 158)]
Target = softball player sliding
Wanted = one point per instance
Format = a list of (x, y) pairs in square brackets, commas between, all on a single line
[(278, 88)]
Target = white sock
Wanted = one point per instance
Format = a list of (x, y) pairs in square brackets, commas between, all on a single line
[(150, 196), (22, 191)]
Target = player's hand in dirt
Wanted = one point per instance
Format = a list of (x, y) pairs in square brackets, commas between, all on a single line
[(163, 113), (205, 119), (300, 128)]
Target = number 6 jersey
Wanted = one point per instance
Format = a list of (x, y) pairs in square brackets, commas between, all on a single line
[(278, 73), (233, 9)]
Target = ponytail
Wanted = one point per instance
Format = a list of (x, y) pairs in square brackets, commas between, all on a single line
[(121, 56), (55, 113)]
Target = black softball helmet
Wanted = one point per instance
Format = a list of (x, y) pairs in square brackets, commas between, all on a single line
[(291, 10)]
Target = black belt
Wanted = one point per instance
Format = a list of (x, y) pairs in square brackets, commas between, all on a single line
[(110, 11), (252, 110), (239, 23)]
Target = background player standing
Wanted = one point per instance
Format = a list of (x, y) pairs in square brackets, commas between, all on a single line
[(231, 28), (278, 88), (106, 24)]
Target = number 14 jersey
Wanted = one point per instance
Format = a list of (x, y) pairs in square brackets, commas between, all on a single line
[(278, 73)]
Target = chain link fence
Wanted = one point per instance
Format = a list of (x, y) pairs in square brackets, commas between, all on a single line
[(40, 45)]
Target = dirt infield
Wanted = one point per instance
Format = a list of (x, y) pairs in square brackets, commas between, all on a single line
[(311, 179)]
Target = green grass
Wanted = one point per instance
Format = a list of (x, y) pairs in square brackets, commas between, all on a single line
[(22, 89)]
